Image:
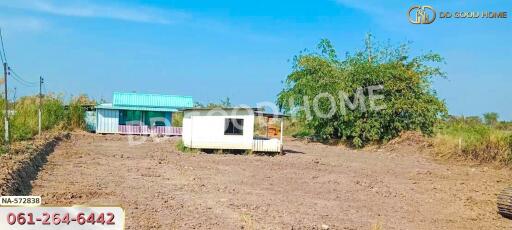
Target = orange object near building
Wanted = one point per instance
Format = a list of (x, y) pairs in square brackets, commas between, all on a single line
[(273, 131)]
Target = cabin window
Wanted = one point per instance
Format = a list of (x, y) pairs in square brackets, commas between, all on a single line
[(130, 117), (152, 118), (234, 126)]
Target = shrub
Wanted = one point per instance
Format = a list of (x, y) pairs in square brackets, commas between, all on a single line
[(409, 102), (22, 133)]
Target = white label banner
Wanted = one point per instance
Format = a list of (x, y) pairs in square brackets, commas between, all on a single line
[(21, 218), (20, 200)]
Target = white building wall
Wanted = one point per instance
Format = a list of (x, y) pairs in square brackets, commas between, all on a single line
[(108, 121), (205, 129)]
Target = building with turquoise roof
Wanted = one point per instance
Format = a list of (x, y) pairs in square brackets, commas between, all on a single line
[(139, 113)]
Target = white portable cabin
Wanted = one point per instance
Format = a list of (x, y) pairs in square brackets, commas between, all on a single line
[(227, 128)]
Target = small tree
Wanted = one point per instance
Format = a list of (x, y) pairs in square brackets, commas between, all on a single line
[(491, 118)]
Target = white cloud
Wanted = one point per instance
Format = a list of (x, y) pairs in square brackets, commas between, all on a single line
[(15, 23), (133, 13)]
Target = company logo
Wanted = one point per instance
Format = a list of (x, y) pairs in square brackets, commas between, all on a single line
[(421, 14)]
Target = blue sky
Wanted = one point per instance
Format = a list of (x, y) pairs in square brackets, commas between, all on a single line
[(241, 49)]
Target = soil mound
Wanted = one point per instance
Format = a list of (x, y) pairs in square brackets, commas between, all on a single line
[(20, 165), (408, 140)]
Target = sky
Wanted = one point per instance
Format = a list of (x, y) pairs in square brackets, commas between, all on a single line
[(242, 49)]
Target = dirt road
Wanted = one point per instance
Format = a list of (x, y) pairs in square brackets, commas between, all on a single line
[(311, 186)]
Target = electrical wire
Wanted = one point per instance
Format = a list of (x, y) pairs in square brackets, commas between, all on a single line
[(11, 70), (15, 75), (2, 58), (3, 48), (22, 81)]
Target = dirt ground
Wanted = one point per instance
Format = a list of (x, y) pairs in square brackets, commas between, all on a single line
[(313, 186)]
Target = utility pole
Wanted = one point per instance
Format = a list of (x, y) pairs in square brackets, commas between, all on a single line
[(368, 44), (6, 118), (40, 103)]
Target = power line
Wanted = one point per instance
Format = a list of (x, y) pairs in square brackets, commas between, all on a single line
[(15, 75), (3, 48), (2, 58), (23, 83), (18, 78)]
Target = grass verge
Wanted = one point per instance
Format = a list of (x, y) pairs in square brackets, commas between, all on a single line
[(475, 142)]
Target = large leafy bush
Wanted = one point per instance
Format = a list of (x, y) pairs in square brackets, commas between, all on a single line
[(405, 98)]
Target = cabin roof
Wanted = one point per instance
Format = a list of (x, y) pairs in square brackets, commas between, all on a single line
[(148, 102), (138, 108), (256, 111), (270, 115), (151, 100), (222, 108)]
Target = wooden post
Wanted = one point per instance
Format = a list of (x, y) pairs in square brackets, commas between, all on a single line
[(39, 120), (266, 127), (281, 133), (6, 115)]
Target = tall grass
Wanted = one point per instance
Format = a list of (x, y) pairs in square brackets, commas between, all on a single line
[(177, 119), (180, 146), (473, 141), (23, 115)]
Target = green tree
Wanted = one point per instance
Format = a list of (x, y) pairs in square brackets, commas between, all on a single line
[(403, 82), (491, 118)]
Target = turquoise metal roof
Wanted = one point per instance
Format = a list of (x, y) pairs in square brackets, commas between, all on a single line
[(138, 108), (151, 101)]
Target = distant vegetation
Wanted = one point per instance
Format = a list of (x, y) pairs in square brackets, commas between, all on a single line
[(55, 115), (223, 103), (473, 139)]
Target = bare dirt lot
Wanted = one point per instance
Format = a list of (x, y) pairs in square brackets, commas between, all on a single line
[(312, 185)]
